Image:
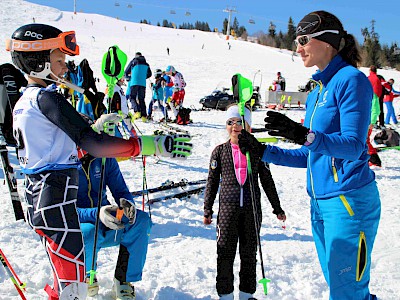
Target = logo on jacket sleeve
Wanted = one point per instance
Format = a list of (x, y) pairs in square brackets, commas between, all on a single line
[(213, 164)]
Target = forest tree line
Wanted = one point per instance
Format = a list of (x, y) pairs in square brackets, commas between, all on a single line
[(371, 50)]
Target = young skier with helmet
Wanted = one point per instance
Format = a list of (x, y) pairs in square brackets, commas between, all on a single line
[(158, 93), (178, 94), (47, 129)]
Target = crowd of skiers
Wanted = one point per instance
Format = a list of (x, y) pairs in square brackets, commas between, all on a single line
[(65, 189), (168, 89)]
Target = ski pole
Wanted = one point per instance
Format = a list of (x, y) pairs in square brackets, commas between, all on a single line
[(20, 286), (92, 271), (242, 95)]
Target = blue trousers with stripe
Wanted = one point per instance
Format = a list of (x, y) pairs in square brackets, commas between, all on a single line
[(344, 230), (134, 237)]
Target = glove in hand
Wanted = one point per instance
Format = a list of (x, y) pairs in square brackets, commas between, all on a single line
[(280, 125), (107, 123), (248, 143), (129, 209), (173, 146), (108, 219)]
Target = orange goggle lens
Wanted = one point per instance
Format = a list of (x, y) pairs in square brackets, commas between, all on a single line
[(66, 42)]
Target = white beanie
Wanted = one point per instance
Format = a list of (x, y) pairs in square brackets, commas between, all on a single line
[(233, 112)]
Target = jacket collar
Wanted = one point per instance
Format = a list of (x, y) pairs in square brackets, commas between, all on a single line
[(330, 70)]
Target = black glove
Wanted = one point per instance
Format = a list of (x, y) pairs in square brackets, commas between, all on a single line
[(280, 125), (248, 143)]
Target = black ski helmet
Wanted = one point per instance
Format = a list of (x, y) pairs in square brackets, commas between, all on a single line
[(158, 73), (35, 61)]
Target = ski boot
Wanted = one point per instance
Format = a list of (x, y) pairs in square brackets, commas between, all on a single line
[(374, 160), (123, 290), (93, 289), (226, 297), (246, 296)]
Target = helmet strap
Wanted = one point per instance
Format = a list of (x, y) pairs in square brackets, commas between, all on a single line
[(44, 75)]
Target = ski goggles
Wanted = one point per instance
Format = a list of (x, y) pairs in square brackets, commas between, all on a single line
[(303, 40), (66, 42), (233, 122)]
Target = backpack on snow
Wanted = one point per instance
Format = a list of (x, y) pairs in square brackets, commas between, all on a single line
[(11, 81), (388, 136), (183, 117)]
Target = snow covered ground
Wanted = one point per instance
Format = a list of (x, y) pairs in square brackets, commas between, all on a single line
[(181, 261)]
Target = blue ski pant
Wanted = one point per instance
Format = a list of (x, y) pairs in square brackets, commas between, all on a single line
[(390, 113), (134, 237), (344, 230), (136, 97)]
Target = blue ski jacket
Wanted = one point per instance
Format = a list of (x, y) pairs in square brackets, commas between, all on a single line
[(89, 183), (137, 71), (338, 110)]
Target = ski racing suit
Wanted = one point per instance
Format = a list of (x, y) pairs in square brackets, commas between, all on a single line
[(132, 240), (47, 129), (178, 94), (235, 221), (345, 202)]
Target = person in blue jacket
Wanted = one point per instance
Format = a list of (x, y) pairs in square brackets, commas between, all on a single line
[(137, 71), (345, 202), (131, 233)]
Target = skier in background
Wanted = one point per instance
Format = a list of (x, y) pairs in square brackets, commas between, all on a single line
[(137, 71), (281, 81), (178, 94), (158, 93)]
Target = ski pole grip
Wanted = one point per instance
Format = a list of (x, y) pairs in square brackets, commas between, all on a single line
[(120, 214)]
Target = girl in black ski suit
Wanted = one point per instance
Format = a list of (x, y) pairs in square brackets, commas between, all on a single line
[(235, 217)]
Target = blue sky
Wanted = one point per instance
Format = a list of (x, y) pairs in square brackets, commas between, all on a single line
[(354, 14)]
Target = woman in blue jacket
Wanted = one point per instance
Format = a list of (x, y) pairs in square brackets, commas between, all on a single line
[(345, 203)]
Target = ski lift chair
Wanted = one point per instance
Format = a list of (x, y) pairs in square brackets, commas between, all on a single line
[(172, 12), (129, 5), (117, 4), (187, 14), (251, 21)]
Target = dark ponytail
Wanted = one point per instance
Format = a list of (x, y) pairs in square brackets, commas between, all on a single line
[(348, 50)]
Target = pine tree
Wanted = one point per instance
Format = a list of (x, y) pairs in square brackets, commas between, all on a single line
[(372, 46), (290, 36)]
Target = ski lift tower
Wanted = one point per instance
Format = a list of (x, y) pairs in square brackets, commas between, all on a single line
[(228, 27), (74, 7)]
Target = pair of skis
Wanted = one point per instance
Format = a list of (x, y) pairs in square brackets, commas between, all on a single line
[(169, 185), (180, 195)]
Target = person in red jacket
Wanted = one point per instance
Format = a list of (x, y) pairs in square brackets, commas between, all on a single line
[(388, 100), (375, 111)]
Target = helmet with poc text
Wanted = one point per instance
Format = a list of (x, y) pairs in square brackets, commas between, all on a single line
[(170, 69), (31, 45)]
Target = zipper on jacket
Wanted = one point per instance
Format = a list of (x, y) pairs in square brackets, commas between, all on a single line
[(237, 175), (335, 175), (241, 195), (89, 184), (309, 152)]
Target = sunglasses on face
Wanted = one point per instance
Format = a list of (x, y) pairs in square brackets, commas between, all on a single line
[(233, 122), (66, 42), (303, 40)]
